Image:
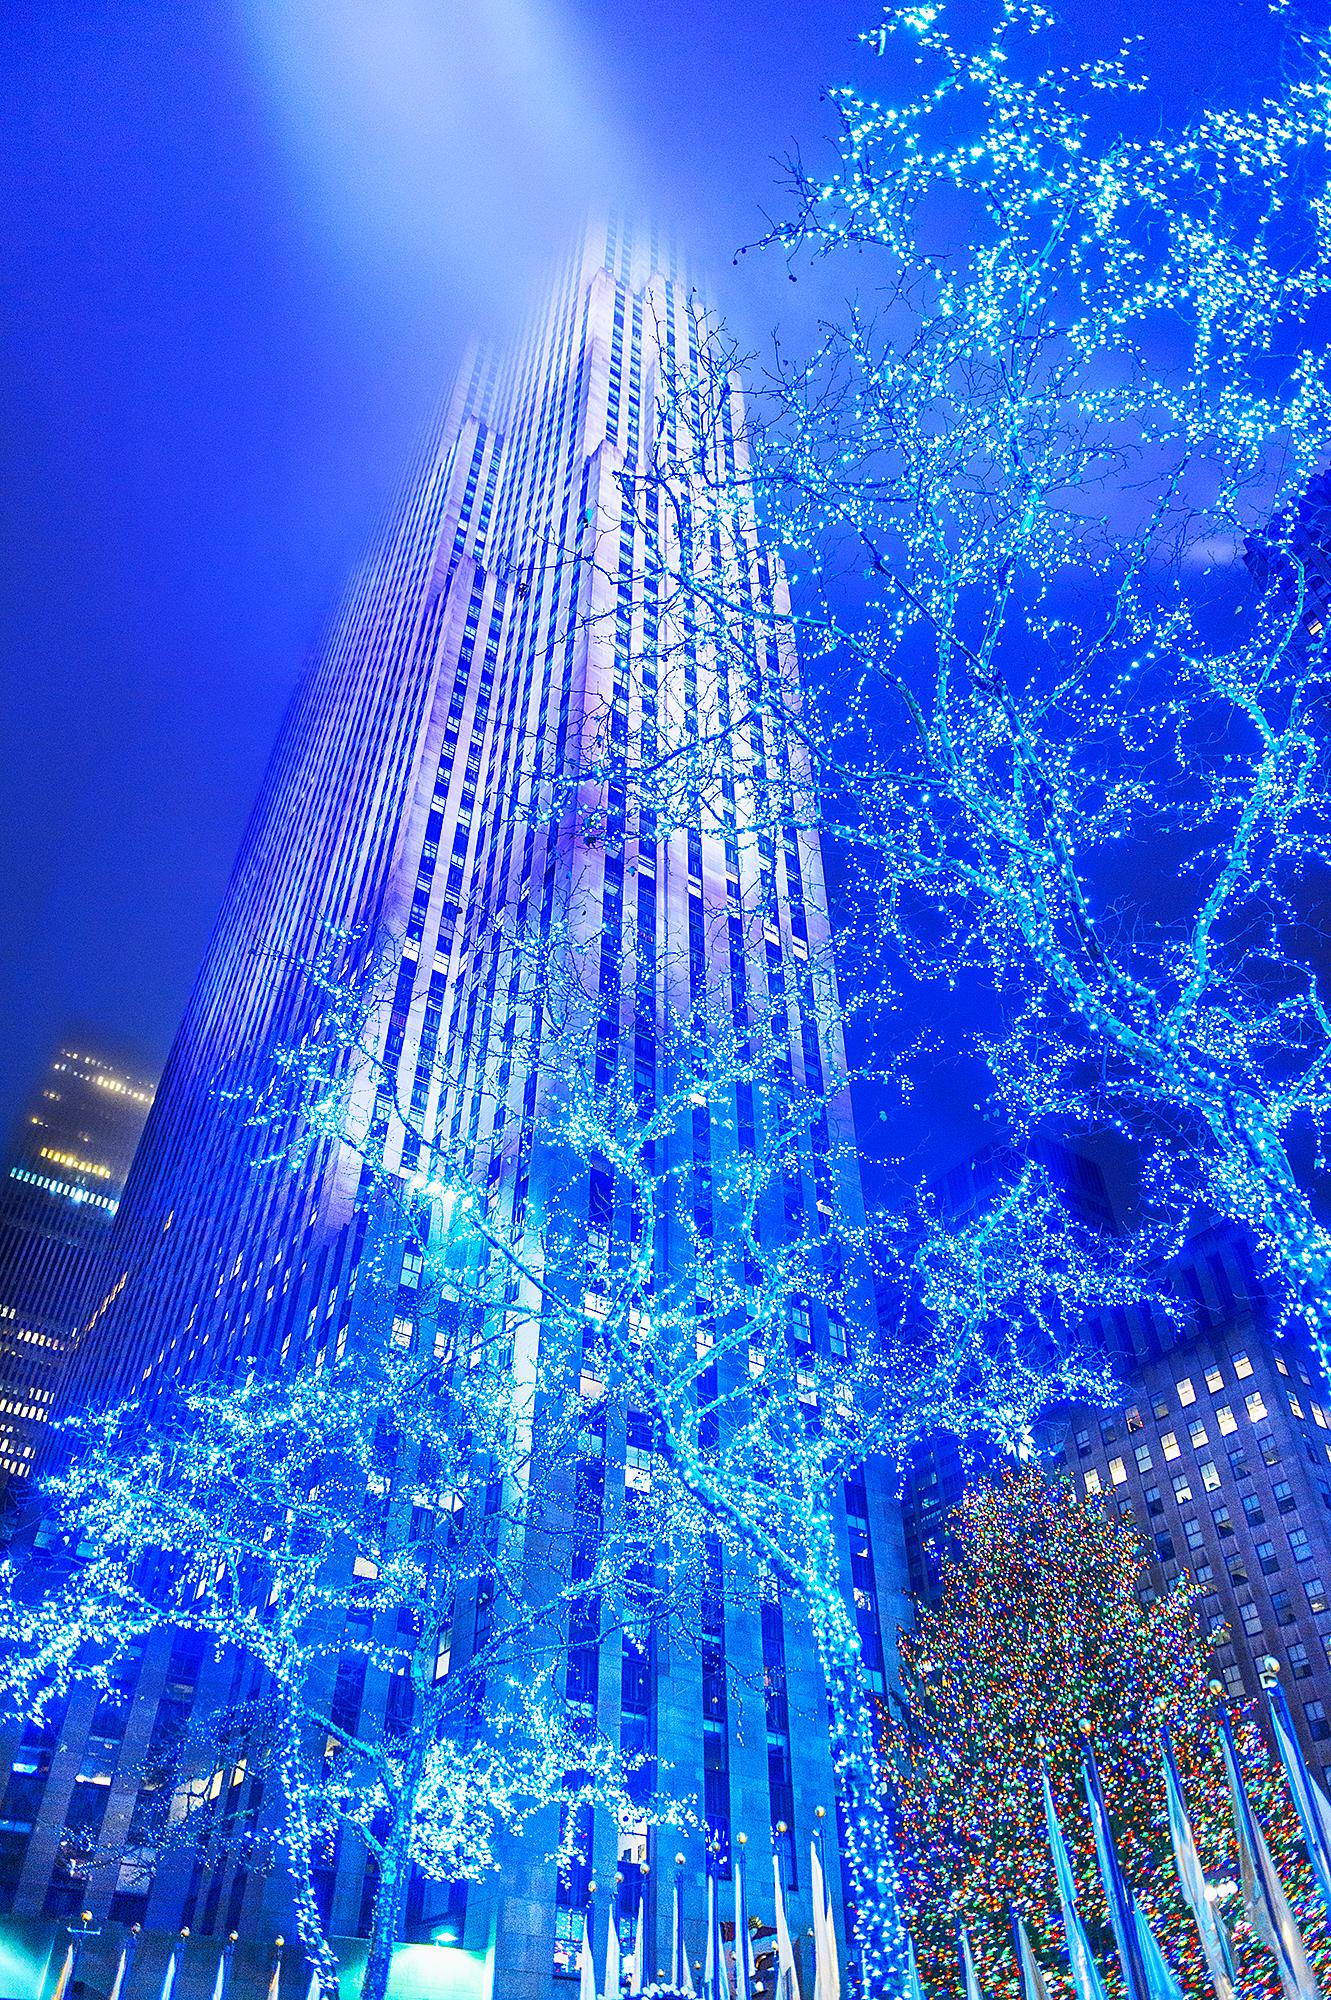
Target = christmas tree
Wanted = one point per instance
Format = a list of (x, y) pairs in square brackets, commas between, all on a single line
[(1047, 1637)]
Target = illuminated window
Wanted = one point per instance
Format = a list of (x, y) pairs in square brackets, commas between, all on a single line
[(1092, 1481), (1254, 1405), (1197, 1432), (1169, 1445), (1118, 1472), (1242, 1365), (1210, 1477), (1226, 1419), (1215, 1381), (1186, 1393)]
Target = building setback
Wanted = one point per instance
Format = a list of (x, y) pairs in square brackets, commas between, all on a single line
[(61, 1189), (500, 629)]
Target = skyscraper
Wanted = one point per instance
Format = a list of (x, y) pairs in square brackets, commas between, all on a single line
[(61, 1189), (446, 779)]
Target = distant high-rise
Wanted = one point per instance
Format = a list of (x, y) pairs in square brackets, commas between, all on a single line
[(511, 615), (61, 1188)]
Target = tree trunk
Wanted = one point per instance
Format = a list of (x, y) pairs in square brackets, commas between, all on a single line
[(390, 1902), (879, 1929)]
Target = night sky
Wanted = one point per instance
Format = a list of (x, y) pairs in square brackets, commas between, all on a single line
[(244, 243)]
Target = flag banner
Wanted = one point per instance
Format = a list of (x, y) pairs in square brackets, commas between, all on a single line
[(715, 1983), (169, 1978), (970, 1984), (787, 1971), (118, 1983), (638, 1963), (586, 1963), (1085, 1972), (744, 1967), (67, 1970), (1122, 1907), (612, 1979), (1264, 1901), (1032, 1979), (1192, 1880), (823, 1988), (1159, 1975), (1311, 1801)]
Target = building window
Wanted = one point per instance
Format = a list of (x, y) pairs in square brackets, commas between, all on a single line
[(1299, 1664), (1143, 1457), (1210, 1477), (1316, 1590), (1252, 1509), (1270, 1450), (1083, 1442), (1197, 1432), (1282, 1609), (1159, 1408), (1299, 1545), (1242, 1366), (1252, 1620), (1134, 1419), (1215, 1381), (1224, 1525), (1232, 1676), (1283, 1494), (1092, 1481), (1193, 1532), (1318, 1726), (1169, 1444), (1265, 1553), (1118, 1472), (1226, 1419), (1154, 1504), (1254, 1405), (1186, 1393)]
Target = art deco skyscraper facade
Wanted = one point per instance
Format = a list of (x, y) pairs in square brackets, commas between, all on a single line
[(507, 634)]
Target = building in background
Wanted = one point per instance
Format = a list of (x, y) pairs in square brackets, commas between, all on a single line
[(61, 1188), (501, 623), (1220, 1453)]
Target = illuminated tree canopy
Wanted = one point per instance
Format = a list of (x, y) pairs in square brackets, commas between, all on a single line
[(1068, 737)]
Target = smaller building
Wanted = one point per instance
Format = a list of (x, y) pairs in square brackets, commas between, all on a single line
[(1220, 1454), (61, 1186)]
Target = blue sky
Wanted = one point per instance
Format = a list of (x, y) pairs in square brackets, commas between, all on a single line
[(245, 240)]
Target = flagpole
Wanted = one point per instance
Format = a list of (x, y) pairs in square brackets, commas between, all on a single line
[(126, 1959), (611, 1989), (1122, 1909), (586, 1959), (743, 1947), (1309, 1798), (787, 1971)]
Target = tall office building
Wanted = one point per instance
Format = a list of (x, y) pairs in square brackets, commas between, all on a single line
[(516, 624), (61, 1189)]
